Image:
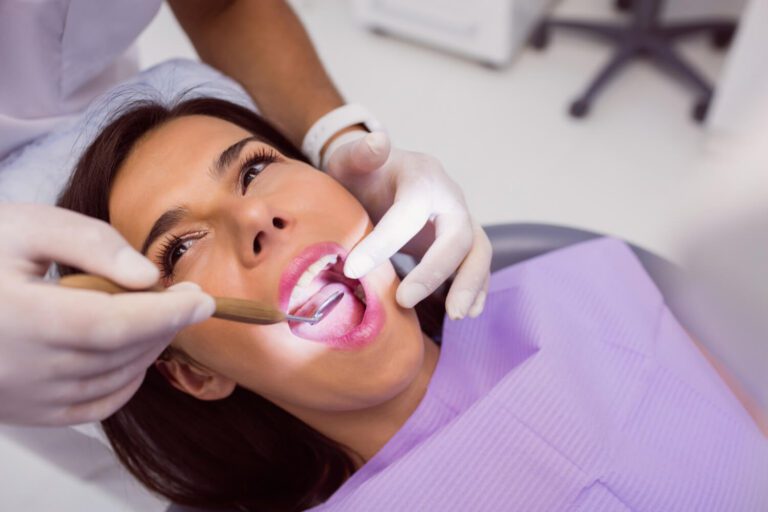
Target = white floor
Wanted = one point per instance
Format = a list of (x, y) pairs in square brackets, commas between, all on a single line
[(630, 169)]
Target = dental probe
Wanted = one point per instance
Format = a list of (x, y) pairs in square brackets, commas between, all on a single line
[(227, 308)]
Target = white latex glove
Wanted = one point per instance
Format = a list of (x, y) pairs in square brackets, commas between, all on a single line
[(418, 208), (72, 356)]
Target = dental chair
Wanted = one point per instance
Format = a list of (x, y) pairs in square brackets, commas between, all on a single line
[(514, 243)]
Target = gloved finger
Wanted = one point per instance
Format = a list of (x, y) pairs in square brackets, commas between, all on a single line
[(471, 275), (400, 223), (453, 240), (361, 156), (67, 363), (89, 320), (479, 304), (93, 387), (79, 363), (95, 410), (89, 244)]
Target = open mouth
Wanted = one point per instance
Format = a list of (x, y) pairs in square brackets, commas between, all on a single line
[(313, 276)]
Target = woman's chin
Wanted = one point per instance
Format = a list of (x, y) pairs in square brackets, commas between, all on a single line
[(374, 360)]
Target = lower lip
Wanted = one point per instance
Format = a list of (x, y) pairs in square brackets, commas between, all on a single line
[(359, 336), (363, 333)]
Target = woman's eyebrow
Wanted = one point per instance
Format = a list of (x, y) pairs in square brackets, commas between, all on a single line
[(166, 222), (229, 155)]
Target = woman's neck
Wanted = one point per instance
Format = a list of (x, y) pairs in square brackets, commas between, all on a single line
[(366, 431)]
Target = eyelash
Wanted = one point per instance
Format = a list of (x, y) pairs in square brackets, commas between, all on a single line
[(167, 250), (261, 156)]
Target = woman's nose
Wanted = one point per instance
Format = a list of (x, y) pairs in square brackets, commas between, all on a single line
[(278, 223), (256, 228)]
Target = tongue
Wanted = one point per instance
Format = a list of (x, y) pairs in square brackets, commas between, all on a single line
[(347, 314)]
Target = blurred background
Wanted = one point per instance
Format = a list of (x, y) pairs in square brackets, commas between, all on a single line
[(649, 161)]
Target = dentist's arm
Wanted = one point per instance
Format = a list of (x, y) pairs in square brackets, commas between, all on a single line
[(263, 45), (73, 356)]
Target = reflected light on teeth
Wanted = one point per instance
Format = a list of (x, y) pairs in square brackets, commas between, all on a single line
[(308, 276), (357, 318)]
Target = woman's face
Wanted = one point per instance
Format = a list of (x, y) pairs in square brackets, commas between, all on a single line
[(212, 204)]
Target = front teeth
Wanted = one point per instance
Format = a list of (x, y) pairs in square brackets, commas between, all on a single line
[(314, 269), (311, 273)]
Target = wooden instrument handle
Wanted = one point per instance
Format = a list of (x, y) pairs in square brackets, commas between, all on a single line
[(227, 308)]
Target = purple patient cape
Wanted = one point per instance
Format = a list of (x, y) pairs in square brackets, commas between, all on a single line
[(575, 390)]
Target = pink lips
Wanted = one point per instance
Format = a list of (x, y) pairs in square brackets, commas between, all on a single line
[(373, 318)]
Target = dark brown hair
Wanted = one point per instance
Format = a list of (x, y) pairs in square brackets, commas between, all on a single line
[(241, 452)]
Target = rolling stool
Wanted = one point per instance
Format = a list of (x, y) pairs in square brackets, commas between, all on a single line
[(644, 36)]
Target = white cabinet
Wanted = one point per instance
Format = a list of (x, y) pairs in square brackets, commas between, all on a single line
[(490, 31)]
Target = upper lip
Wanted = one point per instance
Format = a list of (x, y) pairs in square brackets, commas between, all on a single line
[(300, 263)]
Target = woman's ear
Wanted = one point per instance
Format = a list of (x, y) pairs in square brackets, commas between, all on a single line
[(193, 379)]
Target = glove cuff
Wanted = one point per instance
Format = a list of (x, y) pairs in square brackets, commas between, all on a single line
[(330, 124), (337, 142)]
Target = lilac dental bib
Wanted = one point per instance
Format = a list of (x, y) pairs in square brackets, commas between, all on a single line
[(577, 390)]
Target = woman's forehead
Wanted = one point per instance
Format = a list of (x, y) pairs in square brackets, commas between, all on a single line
[(186, 133)]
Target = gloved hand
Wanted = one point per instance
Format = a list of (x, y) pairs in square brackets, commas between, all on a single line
[(71, 356), (415, 207)]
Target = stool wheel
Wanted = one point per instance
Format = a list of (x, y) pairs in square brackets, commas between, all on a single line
[(579, 108), (492, 65), (378, 31), (722, 38), (540, 36), (700, 110)]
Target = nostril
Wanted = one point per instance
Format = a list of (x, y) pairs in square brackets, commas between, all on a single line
[(257, 244), (278, 222)]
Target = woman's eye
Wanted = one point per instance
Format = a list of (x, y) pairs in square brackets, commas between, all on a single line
[(178, 251), (254, 165), (173, 249), (249, 173)]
